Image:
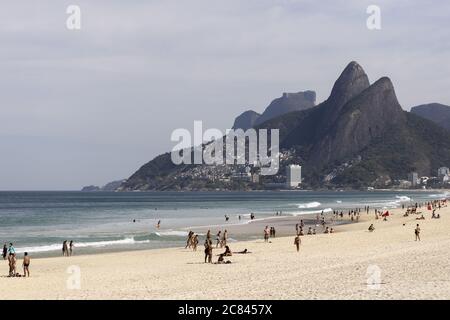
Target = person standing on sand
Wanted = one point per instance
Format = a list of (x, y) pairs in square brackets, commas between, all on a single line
[(195, 243), (218, 238), (297, 242), (417, 232), (26, 264), (70, 247), (224, 239), (208, 252), (12, 264), (65, 249), (266, 234), (5, 251)]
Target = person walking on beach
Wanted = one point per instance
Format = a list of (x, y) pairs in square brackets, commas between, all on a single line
[(297, 242), (65, 249), (70, 247), (189, 240), (5, 251), (26, 264), (266, 234), (417, 232), (195, 243)]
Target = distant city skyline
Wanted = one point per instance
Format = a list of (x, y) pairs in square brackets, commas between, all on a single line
[(89, 106)]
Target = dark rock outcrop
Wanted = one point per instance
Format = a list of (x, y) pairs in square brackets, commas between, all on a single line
[(246, 120), (288, 102)]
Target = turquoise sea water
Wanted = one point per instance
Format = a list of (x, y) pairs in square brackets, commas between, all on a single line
[(38, 222)]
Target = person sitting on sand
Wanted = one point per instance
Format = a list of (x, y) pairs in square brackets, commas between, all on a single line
[(297, 242), (326, 230), (309, 231), (331, 230), (221, 260), (26, 264), (314, 232), (371, 228), (227, 252)]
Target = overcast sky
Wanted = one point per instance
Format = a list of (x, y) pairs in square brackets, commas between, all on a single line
[(93, 105)]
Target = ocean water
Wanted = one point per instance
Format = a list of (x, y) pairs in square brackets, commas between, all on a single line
[(38, 222)]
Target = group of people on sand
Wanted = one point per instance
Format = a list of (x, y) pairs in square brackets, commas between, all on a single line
[(221, 241), (9, 253), (67, 248), (430, 205), (269, 233)]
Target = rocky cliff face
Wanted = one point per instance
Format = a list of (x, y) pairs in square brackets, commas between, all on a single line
[(358, 137), (246, 120), (436, 112), (288, 102)]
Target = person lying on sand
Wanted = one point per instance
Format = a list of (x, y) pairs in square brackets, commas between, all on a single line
[(245, 251), (421, 218)]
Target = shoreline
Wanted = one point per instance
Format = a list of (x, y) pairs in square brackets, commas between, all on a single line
[(328, 266)]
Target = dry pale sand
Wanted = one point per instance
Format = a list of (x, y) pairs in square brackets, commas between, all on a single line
[(329, 266)]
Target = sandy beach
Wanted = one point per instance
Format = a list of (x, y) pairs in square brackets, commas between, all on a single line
[(328, 266)]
